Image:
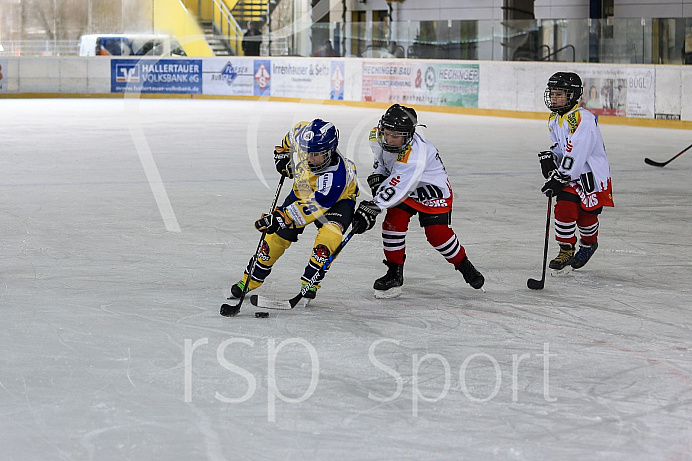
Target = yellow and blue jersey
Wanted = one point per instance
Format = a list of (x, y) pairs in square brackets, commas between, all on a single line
[(313, 194)]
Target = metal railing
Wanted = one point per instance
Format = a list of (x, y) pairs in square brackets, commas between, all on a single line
[(640, 41), (624, 40), (40, 48), (554, 54), (225, 25)]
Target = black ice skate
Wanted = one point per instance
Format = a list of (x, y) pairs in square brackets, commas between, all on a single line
[(471, 274), (311, 293), (564, 257), (237, 290), (584, 254), (389, 286)]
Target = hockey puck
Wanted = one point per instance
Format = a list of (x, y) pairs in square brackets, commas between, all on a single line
[(261, 315)]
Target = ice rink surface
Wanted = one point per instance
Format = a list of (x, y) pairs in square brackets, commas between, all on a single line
[(124, 222)]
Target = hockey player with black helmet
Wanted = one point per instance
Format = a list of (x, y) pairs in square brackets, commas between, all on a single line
[(409, 179), (325, 188), (576, 169)]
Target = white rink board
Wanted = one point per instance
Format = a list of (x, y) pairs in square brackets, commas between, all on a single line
[(649, 91)]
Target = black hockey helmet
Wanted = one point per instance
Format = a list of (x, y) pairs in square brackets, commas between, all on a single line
[(570, 83), (402, 121)]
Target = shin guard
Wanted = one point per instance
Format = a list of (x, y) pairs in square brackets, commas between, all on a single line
[(327, 240)]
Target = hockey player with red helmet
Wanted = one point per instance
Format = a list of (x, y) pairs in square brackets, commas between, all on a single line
[(325, 188), (409, 179), (576, 169)]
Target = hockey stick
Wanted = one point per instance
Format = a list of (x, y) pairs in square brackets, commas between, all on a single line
[(266, 303), (228, 310), (539, 284), (648, 161)]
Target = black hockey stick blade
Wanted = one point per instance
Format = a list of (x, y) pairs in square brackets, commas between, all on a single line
[(229, 311), (648, 161), (535, 284)]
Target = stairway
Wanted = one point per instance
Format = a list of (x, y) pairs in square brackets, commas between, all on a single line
[(230, 19), (216, 41), (250, 10)]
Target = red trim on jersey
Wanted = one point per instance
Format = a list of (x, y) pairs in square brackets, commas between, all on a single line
[(433, 206), (590, 202)]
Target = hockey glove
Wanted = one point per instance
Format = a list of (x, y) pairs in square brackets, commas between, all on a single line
[(282, 160), (273, 222), (556, 181), (365, 216), (374, 181), (548, 165)]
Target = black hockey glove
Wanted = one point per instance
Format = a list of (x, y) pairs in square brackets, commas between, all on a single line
[(548, 165), (556, 181), (282, 160), (365, 216), (374, 181), (273, 222)]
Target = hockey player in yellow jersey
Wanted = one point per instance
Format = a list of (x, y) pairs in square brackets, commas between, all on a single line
[(324, 192)]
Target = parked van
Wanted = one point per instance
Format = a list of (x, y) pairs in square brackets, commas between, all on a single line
[(129, 45)]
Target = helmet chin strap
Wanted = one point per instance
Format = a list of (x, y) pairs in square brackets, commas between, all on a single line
[(563, 110)]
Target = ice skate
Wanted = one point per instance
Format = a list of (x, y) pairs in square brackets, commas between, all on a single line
[(309, 295), (584, 254), (471, 274), (561, 264), (237, 290), (389, 285)]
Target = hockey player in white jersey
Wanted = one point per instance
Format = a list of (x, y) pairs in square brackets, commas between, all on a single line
[(325, 188), (576, 169), (409, 179)]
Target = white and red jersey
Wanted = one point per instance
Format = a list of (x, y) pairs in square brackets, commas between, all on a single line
[(415, 177), (580, 152)]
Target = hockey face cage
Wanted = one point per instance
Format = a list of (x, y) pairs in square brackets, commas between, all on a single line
[(399, 121), (393, 148), (317, 143), (568, 82), (318, 161)]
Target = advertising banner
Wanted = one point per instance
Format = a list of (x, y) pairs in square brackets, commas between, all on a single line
[(3, 75), (156, 76), (234, 76), (263, 77), (624, 92), (432, 83), (338, 79), (307, 78), (284, 77)]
